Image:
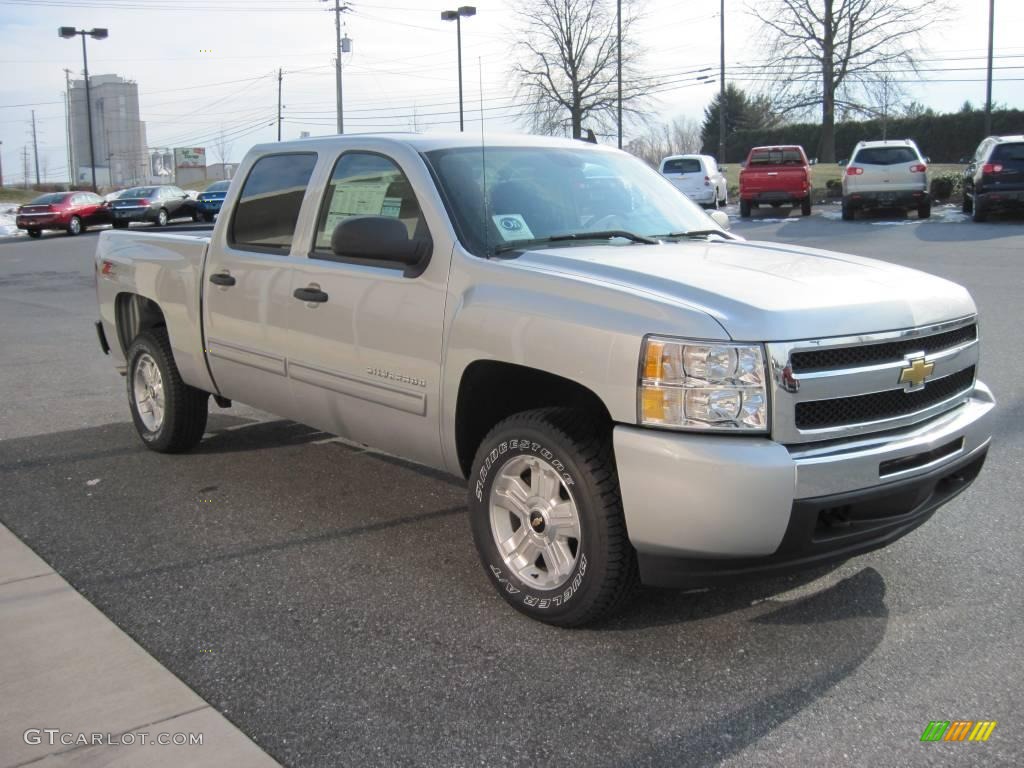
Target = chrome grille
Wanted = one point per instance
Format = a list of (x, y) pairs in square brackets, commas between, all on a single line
[(828, 389), (869, 354)]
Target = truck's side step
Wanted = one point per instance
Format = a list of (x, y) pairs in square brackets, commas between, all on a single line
[(223, 402)]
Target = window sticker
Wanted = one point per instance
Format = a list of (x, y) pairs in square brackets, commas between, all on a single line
[(392, 206), (511, 226)]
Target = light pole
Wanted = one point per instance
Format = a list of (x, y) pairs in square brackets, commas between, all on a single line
[(988, 87), (99, 33), (456, 16), (721, 90), (618, 67)]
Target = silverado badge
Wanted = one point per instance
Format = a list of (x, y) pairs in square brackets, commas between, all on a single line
[(915, 373)]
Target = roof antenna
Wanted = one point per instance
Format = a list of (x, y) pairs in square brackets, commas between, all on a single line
[(483, 158)]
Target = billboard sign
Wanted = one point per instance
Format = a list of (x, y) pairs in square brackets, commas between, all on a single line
[(189, 157)]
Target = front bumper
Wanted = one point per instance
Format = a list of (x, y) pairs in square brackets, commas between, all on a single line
[(210, 206), (701, 508), (775, 196)]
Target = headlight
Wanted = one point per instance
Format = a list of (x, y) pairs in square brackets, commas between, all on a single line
[(702, 385)]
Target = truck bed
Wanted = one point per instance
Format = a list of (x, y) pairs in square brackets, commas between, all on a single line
[(167, 268)]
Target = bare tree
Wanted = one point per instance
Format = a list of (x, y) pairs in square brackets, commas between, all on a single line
[(222, 151), (680, 137), (567, 72), (822, 52)]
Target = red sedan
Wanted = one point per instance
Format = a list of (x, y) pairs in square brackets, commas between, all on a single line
[(70, 211)]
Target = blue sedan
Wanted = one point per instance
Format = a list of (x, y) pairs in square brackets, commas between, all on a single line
[(212, 198)]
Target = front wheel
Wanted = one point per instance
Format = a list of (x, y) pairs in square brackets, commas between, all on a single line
[(169, 415), (119, 224), (547, 517), (207, 217)]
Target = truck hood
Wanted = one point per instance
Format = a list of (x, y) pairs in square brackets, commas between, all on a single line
[(766, 291)]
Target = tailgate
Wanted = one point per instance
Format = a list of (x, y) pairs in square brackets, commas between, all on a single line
[(773, 179)]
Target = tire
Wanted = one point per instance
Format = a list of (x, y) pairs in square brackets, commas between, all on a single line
[(745, 209), (181, 420), (924, 211), (968, 204), (552, 459), (207, 217), (805, 206), (119, 224), (162, 218), (75, 226), (34, 233), (848, 212), (979, 214)]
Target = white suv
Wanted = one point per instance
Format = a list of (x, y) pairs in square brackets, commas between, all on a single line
[(698, 177), (886, 174)]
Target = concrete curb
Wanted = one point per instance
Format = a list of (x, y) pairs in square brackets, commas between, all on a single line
[(65, 666)]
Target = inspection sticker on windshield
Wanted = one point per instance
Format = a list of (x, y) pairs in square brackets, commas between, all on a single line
[(512, 227)]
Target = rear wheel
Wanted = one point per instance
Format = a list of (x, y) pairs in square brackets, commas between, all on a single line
[(968, 205), (547, 517), (805, 206), (169, 415), (979, 213), (34, 233), (924, 211), (74, 226), (162, 218), (745, 209), (848, 212)]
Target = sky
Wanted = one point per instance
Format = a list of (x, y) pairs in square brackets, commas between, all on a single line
[(209, 67)]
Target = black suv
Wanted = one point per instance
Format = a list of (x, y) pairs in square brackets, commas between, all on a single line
[(994, 178)]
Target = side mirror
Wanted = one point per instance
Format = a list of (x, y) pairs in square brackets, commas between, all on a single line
[(721, 218), (378, 238)]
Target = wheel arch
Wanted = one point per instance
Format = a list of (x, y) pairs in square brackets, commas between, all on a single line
[(492, 390)]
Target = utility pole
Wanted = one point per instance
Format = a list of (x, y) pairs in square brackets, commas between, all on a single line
[(279, 76), (988, 86), (618, 65), (1, 165), (339, 8), (35, 146), (67, 125), (721, 89), (24, 164)]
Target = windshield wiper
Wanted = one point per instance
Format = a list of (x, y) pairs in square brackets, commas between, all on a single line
[(697, 233), (604, 234)]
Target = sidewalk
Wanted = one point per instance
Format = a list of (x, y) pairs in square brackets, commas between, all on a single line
[(65, 666)]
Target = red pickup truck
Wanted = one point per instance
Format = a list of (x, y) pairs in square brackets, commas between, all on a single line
[(775, 176)]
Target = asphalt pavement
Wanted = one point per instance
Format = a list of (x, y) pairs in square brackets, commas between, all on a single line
[(327, 600)]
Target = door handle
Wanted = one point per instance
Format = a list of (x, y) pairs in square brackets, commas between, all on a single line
[(310, 294), (222, 278)]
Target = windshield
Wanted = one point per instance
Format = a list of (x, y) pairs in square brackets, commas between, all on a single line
[(218, 186), (534, 193)]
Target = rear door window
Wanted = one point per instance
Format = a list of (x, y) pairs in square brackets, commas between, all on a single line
[(682, 165), (885, 156), (268, 207)]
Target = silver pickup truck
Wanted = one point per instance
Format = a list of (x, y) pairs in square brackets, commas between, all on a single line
[(631, 392)]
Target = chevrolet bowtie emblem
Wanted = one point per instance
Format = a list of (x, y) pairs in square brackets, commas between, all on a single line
[(916, 372)]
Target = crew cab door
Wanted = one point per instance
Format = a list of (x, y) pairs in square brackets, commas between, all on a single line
[(247, 288), (365, 342)]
